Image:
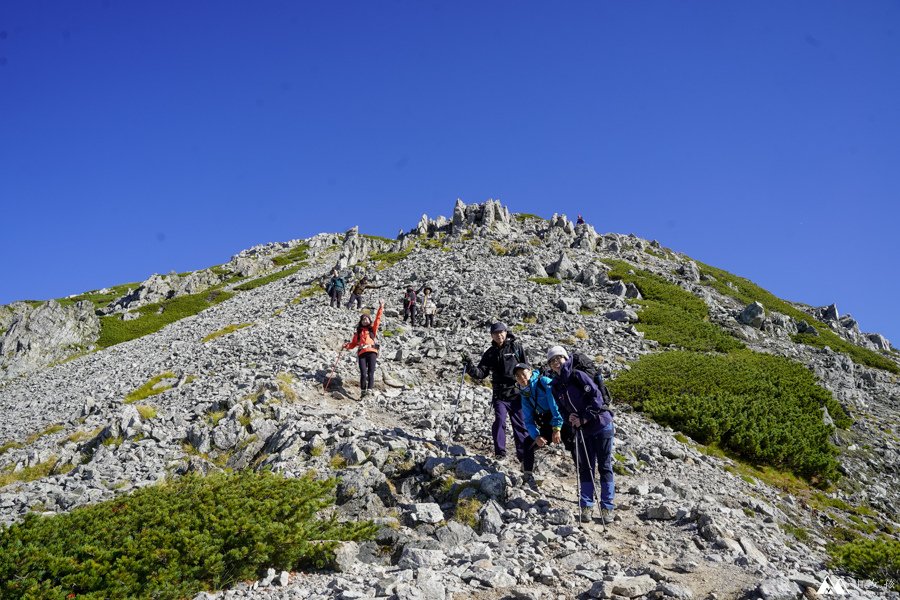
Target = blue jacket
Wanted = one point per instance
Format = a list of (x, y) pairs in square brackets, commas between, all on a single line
[(537, 399), (575, 392)]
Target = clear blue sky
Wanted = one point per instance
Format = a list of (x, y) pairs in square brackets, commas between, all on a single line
[(761, 137)]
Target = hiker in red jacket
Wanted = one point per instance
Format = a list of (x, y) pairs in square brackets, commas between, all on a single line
[(365, 338)]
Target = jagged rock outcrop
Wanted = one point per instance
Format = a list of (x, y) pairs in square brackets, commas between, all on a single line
[(164, 287), (354, 249), (46, 334), (753, 315)]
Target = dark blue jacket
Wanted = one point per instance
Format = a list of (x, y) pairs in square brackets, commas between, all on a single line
[(576, 392)]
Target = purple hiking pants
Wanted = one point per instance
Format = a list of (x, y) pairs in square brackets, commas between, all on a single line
[(512, 407)]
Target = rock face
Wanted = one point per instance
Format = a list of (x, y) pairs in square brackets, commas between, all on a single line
[(753, 315), (164, 287), (416, 456), (46, 334)]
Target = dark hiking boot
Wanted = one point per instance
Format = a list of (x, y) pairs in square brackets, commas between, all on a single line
[(586, 512)]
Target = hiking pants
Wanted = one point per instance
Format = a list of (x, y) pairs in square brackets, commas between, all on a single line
[(357, 298), (336, 298), (546, 431), (595, 454), (429, 320), (367, 370), (409, 310), (513, 407)]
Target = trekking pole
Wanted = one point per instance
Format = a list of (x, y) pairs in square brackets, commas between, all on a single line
[(577, 478), (333, 369), (593, 481), (462, 380)]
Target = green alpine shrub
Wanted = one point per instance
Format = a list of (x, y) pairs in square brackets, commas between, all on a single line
[(176, 539), (877, 559), (766, 409)]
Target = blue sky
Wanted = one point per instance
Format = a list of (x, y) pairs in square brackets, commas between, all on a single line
[(761, 137)]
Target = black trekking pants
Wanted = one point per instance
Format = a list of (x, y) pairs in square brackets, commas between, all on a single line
[(367, 370)]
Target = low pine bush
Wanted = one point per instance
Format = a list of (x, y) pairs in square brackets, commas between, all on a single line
[(670, 315), (765, 409), (260, 281), (877, 559), (174, 540), (113, 330)]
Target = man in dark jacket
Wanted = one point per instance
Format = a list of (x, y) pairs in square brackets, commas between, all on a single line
[(500, 362)]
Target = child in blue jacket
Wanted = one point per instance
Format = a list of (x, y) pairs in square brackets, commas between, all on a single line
[(539, 412)]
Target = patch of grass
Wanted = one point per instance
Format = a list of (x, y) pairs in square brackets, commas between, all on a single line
[(545, 280), (285, 382), (298, 253), (317, 450), (82, 435), (146, 411), (309, 292), (529, 319), (682, 438), (581, 334), (877, 559), (338, 462), (46, 431), (522, 217), (225, 331), (260, 281), (432, 243), (113, 330), (151, 388), (214, 416), (245, 420), (670, 315), (746, 291), (586, 312), (467, 511), (100, 299), (766, 409), (391, 332), (384, 260), (378, 238), (38, 471), (114, 442), (176, 539), (799, 533), (498, 249)]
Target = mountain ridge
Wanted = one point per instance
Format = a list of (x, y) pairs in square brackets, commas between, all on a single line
[(474, 268)]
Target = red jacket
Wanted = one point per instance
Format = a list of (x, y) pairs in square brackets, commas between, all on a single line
[(365, 338)]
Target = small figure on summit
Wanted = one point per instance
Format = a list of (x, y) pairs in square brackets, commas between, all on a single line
[(580, 220)]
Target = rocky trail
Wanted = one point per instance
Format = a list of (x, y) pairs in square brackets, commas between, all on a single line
[(455, 522)]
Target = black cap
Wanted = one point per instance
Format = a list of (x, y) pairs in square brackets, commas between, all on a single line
[(498, 327), (522, 366)]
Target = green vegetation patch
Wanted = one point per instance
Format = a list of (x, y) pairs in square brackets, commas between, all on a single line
[(7, 446), (38, 471), (313, 290), (746, 292), (152, 387), (389, 259), (670, 315), (226, 330), (522, 217), (176, 539), (876, 559), (298, 253), (545, 280), (260, 281), (378, 238), (113, 330), (765, 409), (100, 300), (47, 431)]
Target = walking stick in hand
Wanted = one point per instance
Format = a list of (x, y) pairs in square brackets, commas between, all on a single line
[(333, 369)]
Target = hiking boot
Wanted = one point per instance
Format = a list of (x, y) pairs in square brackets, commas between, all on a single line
[(586, 513), (606, 516), (529, 481)]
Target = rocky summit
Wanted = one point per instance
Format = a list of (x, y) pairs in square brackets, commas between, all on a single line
[(239, 367)]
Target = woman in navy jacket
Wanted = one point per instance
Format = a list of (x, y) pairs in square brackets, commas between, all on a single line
[(581, 405)]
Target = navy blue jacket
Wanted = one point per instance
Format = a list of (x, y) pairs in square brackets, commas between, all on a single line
[(576, 393)]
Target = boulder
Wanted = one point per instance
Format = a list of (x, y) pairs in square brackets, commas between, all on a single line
[(753, 315)]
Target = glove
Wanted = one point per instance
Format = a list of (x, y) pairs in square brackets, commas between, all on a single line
[(466, 359)]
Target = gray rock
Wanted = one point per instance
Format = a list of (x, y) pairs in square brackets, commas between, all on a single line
[(673, 590), (689, 271), (416, 558), (632, 587), (753, 315), (779, 588), (752, 552), (489, 519), (625, 315), (346, 557), (662, 512), (493, 485), (426, 512), (569, 305), (562, 267)]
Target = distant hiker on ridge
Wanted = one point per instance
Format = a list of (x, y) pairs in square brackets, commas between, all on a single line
[(335, 288), (429, 308), (358, 289), (500, 361), (365, 338), (580, 221)]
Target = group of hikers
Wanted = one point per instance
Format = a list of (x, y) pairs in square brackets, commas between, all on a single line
[(567, 404), (412, 298)]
